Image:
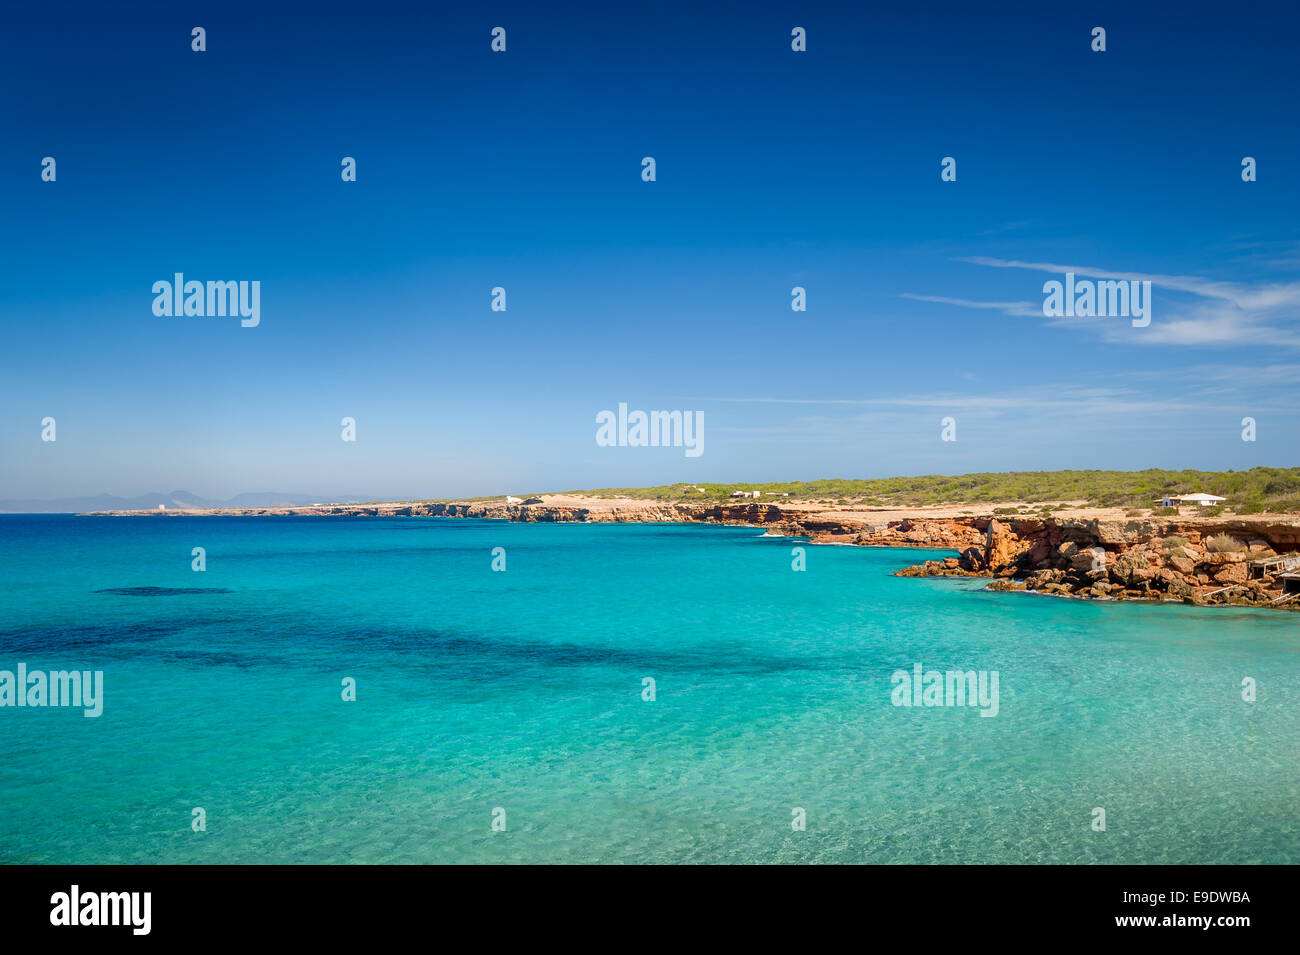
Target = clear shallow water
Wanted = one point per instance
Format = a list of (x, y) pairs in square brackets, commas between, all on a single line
[(523, 690)]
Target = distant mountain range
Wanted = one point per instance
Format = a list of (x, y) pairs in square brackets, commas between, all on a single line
[(175, 499)]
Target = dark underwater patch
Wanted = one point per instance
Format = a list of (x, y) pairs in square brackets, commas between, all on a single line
[(481, 649), (99, 638), (162, 591)]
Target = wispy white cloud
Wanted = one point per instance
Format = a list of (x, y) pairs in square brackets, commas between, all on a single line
[(1021, 309), (1219, 313), (1181, 283), (1116, 404)]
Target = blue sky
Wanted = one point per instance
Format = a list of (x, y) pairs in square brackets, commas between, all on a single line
[(522, 170)]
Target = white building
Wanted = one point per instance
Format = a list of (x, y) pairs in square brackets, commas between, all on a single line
[(1199, 499)]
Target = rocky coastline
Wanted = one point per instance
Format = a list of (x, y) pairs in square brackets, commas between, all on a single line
[(1238, 562), (1190, 559)]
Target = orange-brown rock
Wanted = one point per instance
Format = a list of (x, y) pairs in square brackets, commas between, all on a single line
[(1091, 557)]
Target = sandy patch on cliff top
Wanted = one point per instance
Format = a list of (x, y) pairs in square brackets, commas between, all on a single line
[(884, 515)]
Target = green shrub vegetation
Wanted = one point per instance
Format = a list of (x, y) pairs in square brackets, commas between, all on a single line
[(1259, 489)]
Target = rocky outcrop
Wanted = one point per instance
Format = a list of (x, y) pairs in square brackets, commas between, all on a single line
[(1190, 561)]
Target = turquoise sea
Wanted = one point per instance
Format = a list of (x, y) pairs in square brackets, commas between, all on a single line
[(522, 690)]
